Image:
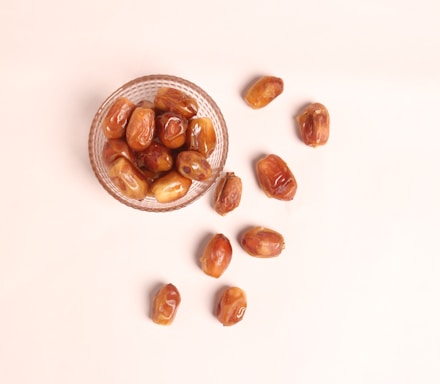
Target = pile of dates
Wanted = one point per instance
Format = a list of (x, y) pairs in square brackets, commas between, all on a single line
[(157, 148), (277, 181)]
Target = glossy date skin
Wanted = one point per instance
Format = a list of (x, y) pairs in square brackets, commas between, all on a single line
[(193, 165), (232, 306), (228, 192), (216, 256), (262, 242), (314, 124), (117, 118), (128, 179), (174, 100), (171, 129), (275, 178), (165, 305), (201, 136), (140, 129), (263, 91)]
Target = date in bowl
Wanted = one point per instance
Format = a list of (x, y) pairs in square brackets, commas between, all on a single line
[(146, 89)]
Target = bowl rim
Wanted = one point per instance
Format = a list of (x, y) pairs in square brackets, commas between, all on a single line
[(167, 78)]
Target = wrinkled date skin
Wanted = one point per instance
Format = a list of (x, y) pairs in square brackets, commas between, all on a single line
[(231, 306), (170, 187), (314, 124), (227, 195), (174, 100), (275, 178), (262, 242), (193, 164), (114, 148), (117, 118), (140, 129), (156, 158), (263, 91), (165, 305), (200, 136), (128, 179), (171, 129), (216, 256)]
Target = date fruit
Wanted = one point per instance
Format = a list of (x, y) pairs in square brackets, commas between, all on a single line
[(128, 179), (171, 129), (140, 129), (156, 158), (117, 118), (173, 100), (262, 242), (263, 91), (165, 305), (114, 148), (231, 306), (170, 187), (200, 136), (275, 178), (216, 256), (193, 165), (314, 124), (227, 194)]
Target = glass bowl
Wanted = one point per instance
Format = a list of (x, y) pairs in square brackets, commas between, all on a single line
[(145, 88)]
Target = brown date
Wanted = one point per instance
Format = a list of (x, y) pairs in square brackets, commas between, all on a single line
[(275, 178), (314, 124), (231, 306), (193, 164), (140, 128), (173, 100), (263, 91), (165, 305), (262, 242), (227, 195), (170, 187), (128, 179), (117, 118), (216, 256), (114, 148), (171, 129), (156, 158), (201, 136)]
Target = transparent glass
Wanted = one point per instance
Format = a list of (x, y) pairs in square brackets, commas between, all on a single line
[(145, 88)]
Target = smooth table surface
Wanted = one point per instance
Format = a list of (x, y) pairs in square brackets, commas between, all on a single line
[(354, 298)]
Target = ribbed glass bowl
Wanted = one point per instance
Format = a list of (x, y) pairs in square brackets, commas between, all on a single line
[(145, 88)]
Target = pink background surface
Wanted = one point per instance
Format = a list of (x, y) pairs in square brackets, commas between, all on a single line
[(354, 298)]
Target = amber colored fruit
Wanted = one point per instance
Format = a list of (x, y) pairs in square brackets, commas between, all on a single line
[(165, 305), (227, 195), (156, 158), (275, 178), (173, 100), (170, 187), (114, 148), (262, 242), (216, 256), (140, 129), (171, 129), (193, 164), (117, 118), (201, 136), (263, 91), (231, 306), (128, 179), (314, 124)]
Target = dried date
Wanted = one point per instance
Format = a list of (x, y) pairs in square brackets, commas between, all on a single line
[(165, 305), (275, 178)]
